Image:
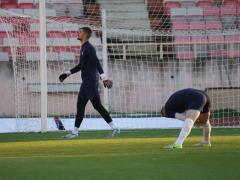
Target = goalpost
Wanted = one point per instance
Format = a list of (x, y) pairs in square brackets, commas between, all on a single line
[(143, 48), (43, 64)]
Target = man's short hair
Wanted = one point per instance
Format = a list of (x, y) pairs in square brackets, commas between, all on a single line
[(87, 30)]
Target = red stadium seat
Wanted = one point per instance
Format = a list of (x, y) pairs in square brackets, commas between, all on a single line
[(228, 16), (58, 49), (9, 6), (197, 26), (199, 39), (204, 3), (180, 26), (238, 10), (26, 6), (1, 41), (213, 25), (27, 34), (55, 34), (184, 55), (25, 41), (230, 2), (216, 38), (232, 38), (228, 10), (29, 49), (5, 34), (211, 11), (182, 39), (70, 34), (214, 54)]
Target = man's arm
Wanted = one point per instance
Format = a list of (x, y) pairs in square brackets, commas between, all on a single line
[(76, 69), (93, 56), (64, 75), (99, 67)]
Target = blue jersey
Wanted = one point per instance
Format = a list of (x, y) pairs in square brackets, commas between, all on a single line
[(89, 64), (186, 99), (90, 68)]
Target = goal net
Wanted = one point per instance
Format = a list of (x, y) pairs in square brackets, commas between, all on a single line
[(154, 48)]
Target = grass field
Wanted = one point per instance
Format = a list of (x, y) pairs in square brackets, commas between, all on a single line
[(134, 155)]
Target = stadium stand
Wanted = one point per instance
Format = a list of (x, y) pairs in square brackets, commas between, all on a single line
[(204, 3), (203, 18), (197, 19), (59, 35)]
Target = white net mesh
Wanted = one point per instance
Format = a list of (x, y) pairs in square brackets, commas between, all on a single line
[(154, 48)]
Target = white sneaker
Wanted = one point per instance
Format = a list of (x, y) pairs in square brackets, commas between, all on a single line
[(71, 136), (115, 132)]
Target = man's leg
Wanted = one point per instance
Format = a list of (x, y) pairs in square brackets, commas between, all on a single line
[(96, 102), (203, 120), (81, 104), (191, 117)]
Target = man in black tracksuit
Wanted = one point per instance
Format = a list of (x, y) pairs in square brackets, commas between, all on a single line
[(90, 67)]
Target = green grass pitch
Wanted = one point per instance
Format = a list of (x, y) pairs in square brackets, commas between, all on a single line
[(134, 155)]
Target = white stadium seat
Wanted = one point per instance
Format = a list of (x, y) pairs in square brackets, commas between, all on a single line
[(51, 12), (60, 41), (49, 41), (66, 56), (25, 1), (54, 27), (6, 27), (32, 56), (18, 11), (70, 27), (52, 56), (74, 42), (4, 56), (35, 12), (34, 27), (194, 11), (178, 12), (10, 41), (31, 12)]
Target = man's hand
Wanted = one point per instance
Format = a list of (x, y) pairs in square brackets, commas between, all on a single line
[(106, 82), (63, 76)]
